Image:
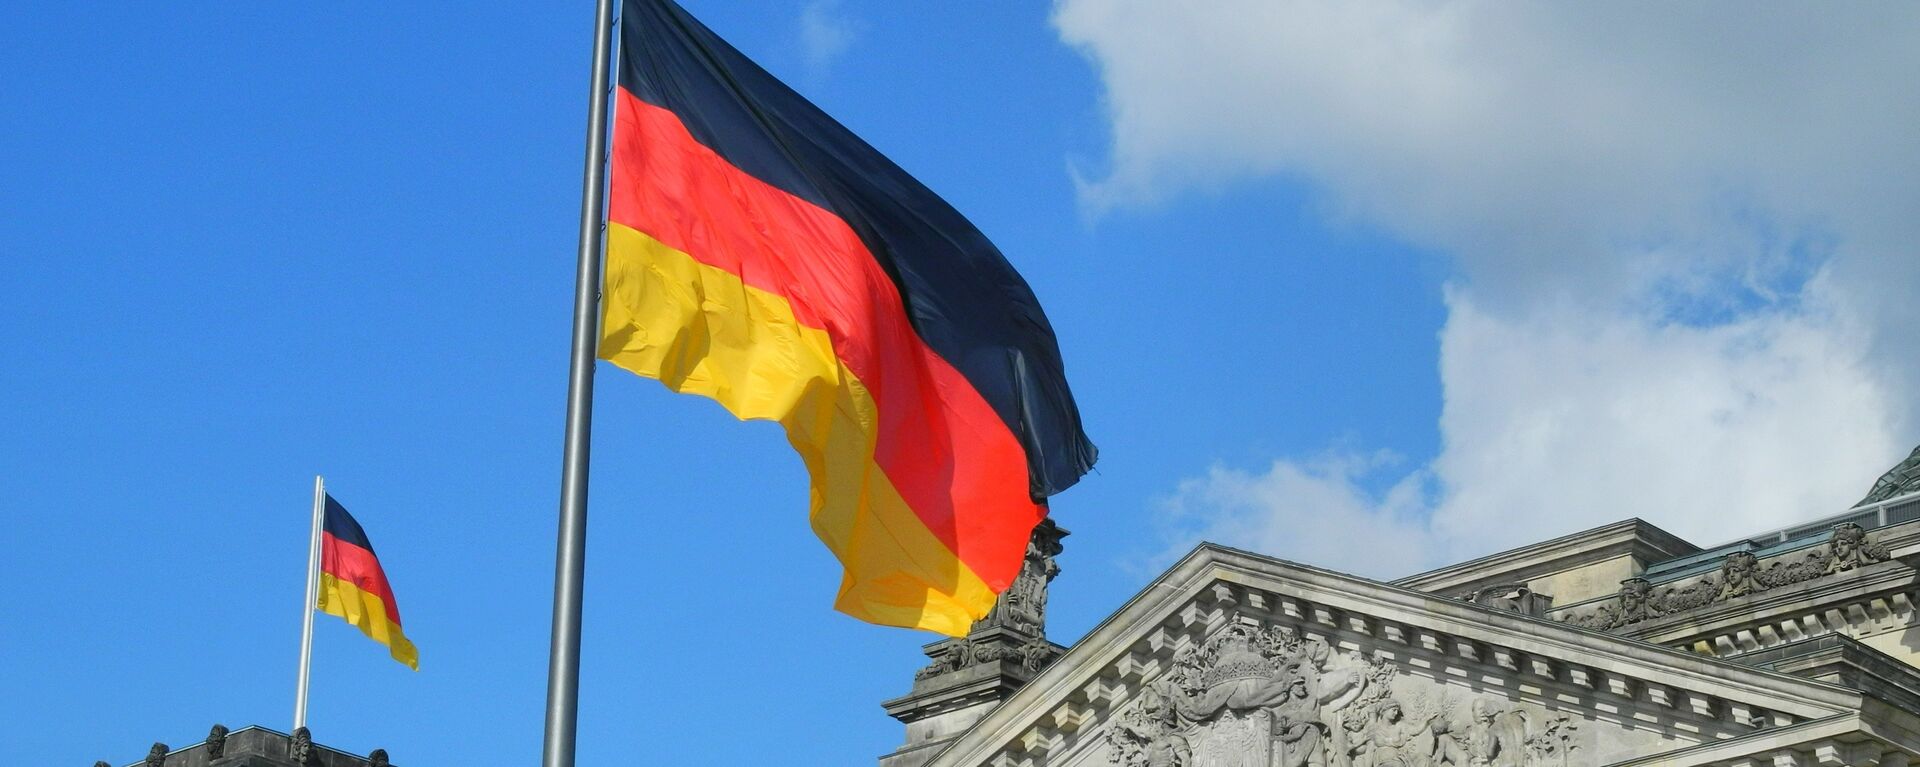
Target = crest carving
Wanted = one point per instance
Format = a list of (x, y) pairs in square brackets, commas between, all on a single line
[(1740, 575), (1268, 697)]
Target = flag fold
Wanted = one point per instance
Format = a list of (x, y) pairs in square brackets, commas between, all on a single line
[(353, 585), (762, 255)]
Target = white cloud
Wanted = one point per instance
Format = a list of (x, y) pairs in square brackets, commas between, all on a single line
[(825, 33), (1685, 239), (1326, 510), (1712, 432), (1561, 422), (1545, 145)]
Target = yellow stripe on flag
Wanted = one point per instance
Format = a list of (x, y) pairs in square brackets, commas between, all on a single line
[(701, 330), (367, 611)]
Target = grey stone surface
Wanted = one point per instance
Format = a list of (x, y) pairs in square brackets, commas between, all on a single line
[(251, 746), (1841, 660), (1740, 574), (1236, 660)]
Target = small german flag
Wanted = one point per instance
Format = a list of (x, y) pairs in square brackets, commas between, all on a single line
[(761, 254), (353, 586)]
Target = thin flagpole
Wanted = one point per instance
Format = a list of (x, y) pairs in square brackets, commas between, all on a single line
[(563, 664), (313, 597)]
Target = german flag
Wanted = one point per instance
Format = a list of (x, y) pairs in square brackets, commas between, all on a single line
[(353, 586), (762, 255)]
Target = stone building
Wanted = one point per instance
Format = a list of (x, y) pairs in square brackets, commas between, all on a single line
[(255, 746), (1621, 645)]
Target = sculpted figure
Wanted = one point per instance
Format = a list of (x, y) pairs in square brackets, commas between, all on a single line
[(1737, 575), (1337, 678), (1296, 730), (1394, 739), (1241, 680), (157, 756), (1495, 738), (1850, 548), (1149, 735), (1636, 600), (217, 741), (378, 758), (300, 750)]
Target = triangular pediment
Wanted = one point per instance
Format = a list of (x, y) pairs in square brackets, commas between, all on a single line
[(1232, 659)]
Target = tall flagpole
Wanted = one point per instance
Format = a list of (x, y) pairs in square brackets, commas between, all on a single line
[(563, 664), (313, 597)]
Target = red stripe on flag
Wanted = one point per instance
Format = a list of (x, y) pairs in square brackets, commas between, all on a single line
[(361, 568), (951, 457)]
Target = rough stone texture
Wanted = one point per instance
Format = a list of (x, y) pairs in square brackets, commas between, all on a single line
[(253, 746), (1836, 659), (1566, 570), (1236, 660), (1740, 574)]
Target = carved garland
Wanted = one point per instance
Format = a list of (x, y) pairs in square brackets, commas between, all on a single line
[(1033, 655), (1740, 575)]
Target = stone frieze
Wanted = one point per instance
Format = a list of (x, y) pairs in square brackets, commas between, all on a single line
[(1268, 697), (1740, 575)]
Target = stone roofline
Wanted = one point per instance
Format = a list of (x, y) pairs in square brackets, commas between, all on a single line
[(1634, 537), (1057, 718)]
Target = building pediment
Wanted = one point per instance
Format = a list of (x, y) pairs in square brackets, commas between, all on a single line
[(1232, 659)]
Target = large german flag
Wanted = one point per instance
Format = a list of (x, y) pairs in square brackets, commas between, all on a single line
[(760, 254)]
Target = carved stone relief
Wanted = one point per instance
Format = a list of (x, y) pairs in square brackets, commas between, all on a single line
[(1034, 655), (1740, 575), (1016, 627), (1268, 697), (1023, 606), (216, 741), (1513, 597), (300, 747)]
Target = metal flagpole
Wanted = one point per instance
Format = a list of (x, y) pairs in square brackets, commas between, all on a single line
[(313, 596), (563, 664)]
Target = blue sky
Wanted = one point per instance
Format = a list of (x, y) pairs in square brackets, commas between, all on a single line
[(1371, 306)]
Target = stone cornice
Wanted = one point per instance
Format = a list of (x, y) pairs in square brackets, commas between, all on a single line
[(1847, 662), (1636, 537), (1876, 736), (1760, 747), (1835, 592)]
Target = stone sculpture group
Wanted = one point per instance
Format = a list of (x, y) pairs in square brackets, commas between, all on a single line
[(1269, 697), (1740, 575)]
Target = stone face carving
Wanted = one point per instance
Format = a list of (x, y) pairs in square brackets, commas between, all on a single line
[(378, 758), (1737, 575), (1254, 697), (157, 756), (300, 749), (1851, 548), (1740, 575), (1514, 597), (217, 741), (1900, 480)]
